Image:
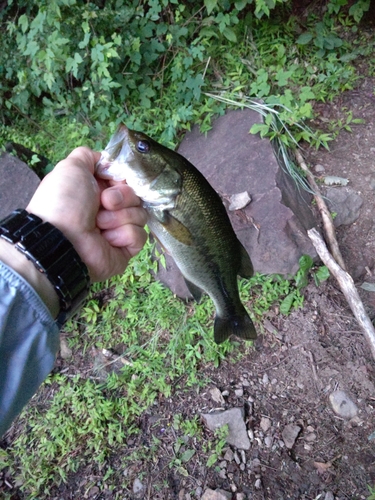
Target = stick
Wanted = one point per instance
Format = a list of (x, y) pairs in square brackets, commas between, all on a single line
[(347, 286), (328, 225)]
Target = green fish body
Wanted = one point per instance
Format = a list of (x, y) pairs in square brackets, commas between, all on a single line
[(189, 219)]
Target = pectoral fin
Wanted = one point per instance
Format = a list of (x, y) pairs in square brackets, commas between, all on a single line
[(174, 227)]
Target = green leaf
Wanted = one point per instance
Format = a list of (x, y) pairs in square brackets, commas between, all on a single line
[(304, 39), (322, 274), (187, 455), (230, 34), (286, 304), (210, 5), (305, 263)]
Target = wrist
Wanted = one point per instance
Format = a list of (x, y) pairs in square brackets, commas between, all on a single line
[(53, 257), (10, 256)]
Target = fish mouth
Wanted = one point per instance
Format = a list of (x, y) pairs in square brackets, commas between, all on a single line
[(115, 157)]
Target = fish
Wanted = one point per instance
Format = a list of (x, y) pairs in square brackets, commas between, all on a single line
[(189, 219)]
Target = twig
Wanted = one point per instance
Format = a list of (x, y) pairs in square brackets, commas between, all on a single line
[(329, 228), (347, 286)]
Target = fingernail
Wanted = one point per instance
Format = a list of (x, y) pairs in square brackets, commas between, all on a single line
[(116, 196)]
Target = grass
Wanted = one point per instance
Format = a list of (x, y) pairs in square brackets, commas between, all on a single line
[(161, 344), (84, 418)]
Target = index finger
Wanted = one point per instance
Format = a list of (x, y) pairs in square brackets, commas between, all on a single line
[(82, 157)]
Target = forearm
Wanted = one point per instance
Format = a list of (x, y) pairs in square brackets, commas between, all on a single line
[(29, 341)]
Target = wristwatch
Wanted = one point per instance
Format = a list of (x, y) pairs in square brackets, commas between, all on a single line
[(52, 254)]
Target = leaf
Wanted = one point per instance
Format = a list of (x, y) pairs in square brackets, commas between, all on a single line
[(286, 304), (304, 39), (210, 5), (305, 263), (187, 455), (322, 467), (230, 34), (322, 274), (182, 471)]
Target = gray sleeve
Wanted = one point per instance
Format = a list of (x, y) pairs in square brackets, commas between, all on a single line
[(29, 340)]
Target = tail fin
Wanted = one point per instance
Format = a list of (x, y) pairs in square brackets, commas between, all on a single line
[(239, 325)]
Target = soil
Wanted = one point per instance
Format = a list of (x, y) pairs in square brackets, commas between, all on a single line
[(297, 363)]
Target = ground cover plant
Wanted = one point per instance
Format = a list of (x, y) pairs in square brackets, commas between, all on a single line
[(75, 70)]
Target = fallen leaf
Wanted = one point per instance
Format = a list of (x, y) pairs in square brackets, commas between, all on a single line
[(322, 467)]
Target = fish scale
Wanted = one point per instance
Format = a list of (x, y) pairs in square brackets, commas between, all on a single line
[(190, 221)]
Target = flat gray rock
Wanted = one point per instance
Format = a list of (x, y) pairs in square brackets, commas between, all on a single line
[(272, 227), (346, 203), (237, 435), (17, 184)]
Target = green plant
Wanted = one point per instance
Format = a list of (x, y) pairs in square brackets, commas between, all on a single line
[(220, 442), (372, 493)]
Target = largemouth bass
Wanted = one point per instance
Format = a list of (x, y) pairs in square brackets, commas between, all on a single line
[(188, 218)]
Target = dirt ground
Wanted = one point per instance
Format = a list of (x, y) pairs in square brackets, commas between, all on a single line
[(287, 379)]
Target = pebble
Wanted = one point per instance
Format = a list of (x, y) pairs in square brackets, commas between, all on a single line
[(239, 393), (319, 168), (216, 495), (258, 484), (265, 379), (310, 437), (234, 417), (217, 396), (268, 441), (265, 424), (237, 458), (229, 455), (329, 496), (137, 486), (65, 351), (342, 405), (240, 496), (290, 434)]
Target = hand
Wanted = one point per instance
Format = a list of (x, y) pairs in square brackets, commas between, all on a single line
[(104, 222)]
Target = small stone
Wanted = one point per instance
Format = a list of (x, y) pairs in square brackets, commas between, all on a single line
[(93, 492), (265, 379), (290, 434), (65, 350), (329, 496), (250, 433), (239, 201), (268, 441), (258, 484), (225, 393), (237, 458), (217, 396), (229, 455), (234, 418), (319, 168), (243, 456), (240, 496), (310, 437), (342, 405), (223, 474), (265, 424), (198, 491), (137, 486), (216, 495), (239, 393)]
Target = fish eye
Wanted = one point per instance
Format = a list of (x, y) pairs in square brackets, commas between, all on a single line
[(143, 146)]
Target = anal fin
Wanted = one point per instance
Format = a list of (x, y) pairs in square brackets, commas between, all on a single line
[(194, 290)]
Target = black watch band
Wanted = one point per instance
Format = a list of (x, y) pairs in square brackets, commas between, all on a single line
[(52, 254)]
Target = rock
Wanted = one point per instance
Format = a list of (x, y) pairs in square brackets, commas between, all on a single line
[(319, 168), (329, 496), (217, 396), (229, 455), (65, 350), (290, 434), (272, 227), (237, 435), (345, 202), (265, 424), (238, 393), (342, 405), (138, 487), (17, 184), (217, 494)]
